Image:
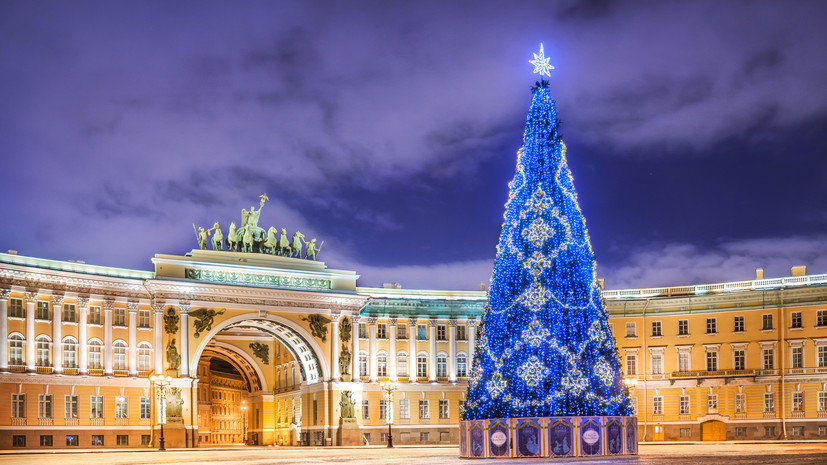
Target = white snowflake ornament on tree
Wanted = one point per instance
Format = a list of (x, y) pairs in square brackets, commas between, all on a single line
[(541, 65)]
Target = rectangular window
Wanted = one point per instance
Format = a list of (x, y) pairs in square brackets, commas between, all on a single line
[(768, 357), (657, 405), (71, 406), (686, 433), (422, 332), (122, 439), (363, 330), (738, 326), (42, 310), (94, 315), (69, 313), (71, 439), (769, 431), (740, 403), (631, 364), (657, 364), (381, 331), (96, 409), (443, 409), (795, 320), (383, 409), (630, 329), (363, 365), (822, 356), (424, 410), (146, 409), (683, 327), (821, 318), (44, 406), (18, 440), (712, 402), (711, 361), (798, 431), (383, 437), (740, 431), (366, 409), (683, 361), (402, 365), (798, 401), (441, 333), (461, 333), (711, 326), (401, 331), (18, 405), (797, 357), (684, 405), (462, 366), (121, 407), (822, 401), (145, 439), (769, 402), (46, 441), (766, 321), (657, 329), (119, 317), (822, 430), (404, 409), (143, 318), (422, 366), (739, 359), (424, 437), (16, 308), (97, 439)]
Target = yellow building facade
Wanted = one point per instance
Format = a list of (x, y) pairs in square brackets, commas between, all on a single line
[(270, 350)]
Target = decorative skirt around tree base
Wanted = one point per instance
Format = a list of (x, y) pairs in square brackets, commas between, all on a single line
[(548, 437)]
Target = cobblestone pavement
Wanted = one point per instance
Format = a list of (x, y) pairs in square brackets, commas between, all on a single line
[(805, 453)]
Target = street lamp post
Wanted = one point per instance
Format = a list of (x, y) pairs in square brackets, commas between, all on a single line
[(244, 420), (161, 383), (388, 387)]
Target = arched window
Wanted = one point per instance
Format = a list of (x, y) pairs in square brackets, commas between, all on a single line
[(462, 365), (363, 363), (422, 365), (43, 344), (441, 365), (402, 363), (119, 351), (70, 352), (95, 355), (16, 349), (144, 356), (382, 364)]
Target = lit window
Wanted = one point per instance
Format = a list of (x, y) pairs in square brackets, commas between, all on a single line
[(95, 355), (441, 366), (44, 406), (121, 407), (402, 364), (443, 409), (18, 405), (404, 409), (424, 412), (657, 405), (43, 344), (70, 351), (119, 360), (382, 364), (630, 329), (684, 405), (462, 366)]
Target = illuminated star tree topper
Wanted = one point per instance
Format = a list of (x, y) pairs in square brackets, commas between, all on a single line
[(541, 64)]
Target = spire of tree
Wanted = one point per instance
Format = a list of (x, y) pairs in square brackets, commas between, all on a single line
[(543, 345)]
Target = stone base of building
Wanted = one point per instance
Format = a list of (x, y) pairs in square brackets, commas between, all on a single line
[(349, 434), (548, 437)]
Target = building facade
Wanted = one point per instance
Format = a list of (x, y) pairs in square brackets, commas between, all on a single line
[(271, 350)]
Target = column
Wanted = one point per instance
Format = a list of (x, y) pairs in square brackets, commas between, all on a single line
[(334, 344), (452, 350), (372, 349), (392, 349), (31, 300), (132, 308), (432, 350), (185, 337), (108, 304), (354, 319), (4, 328), (412, 352), (471, 332), (83, 339), (57, 337), (158, 335)]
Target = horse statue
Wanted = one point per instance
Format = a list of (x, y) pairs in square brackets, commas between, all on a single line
[(217, 238), (271, 243), (284, 244), (297, 244), (248, 240), (232, 238)]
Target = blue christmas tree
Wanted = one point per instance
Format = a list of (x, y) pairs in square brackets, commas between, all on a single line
[(544, 347)]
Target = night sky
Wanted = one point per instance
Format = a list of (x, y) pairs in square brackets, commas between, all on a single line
[(696, 131)]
